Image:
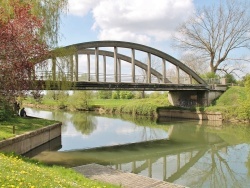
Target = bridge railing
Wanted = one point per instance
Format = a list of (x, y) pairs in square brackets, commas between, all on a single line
[(126, 78)]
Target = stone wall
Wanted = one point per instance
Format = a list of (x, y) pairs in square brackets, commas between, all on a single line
[(186, 114), (21, 144)]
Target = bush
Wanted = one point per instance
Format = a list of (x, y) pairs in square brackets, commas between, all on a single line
[(126, 95), (115, 95), (104, 94)]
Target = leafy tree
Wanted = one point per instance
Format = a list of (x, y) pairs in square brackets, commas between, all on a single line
[(20, 47), (217, 33), (211, 77), (49, 11), (126, 95), (230, 78), (104, 94), (80, 100), (116, 95), (28, 28)]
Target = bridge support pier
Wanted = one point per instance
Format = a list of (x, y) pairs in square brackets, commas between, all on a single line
[(193, 98)]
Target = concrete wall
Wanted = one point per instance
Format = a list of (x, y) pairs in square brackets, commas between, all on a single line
[(194, 98), (186, 114), (23, 143), (187, 98)]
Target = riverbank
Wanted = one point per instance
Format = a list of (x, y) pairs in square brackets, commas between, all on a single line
[(16, 135), (18, 125), (144, 107), (17, 171), (232, 106)]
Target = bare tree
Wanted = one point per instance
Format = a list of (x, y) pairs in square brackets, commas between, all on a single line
[(217, 34), (198, 65)]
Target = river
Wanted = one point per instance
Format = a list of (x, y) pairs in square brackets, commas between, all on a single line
[(190, 153)]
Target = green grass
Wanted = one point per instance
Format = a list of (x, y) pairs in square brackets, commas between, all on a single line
[(21, 125), (147, 106), (111, 102), (24, 173), (229, 100), (233, 104)]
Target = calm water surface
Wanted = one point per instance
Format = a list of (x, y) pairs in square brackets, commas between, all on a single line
[(190, 153)]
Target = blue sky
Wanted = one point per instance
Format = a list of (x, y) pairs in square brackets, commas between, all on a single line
[(141, 21), (149, 22)]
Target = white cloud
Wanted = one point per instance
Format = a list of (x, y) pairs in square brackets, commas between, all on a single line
[(141, 21), (81, 7)]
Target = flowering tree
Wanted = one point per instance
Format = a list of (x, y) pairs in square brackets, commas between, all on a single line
[(20, 48)]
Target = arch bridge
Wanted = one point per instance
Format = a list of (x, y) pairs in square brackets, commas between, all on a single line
[(90, 69)]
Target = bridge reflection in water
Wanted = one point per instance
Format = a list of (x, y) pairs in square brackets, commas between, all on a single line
[(191, 156)]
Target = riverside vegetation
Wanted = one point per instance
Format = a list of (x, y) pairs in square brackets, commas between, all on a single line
[(234, 104), (18, 171)]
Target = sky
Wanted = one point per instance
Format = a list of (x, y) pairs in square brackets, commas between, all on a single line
[(149, 22)]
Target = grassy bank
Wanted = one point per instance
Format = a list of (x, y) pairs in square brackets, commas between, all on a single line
[(147, 106), (19, 125), (22, 172), (19, 172), (233, 104)]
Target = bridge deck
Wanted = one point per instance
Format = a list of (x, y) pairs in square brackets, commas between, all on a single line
[(123, 179), (80, 85)]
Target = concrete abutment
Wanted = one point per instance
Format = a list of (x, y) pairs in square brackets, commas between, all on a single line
[(186, 98)]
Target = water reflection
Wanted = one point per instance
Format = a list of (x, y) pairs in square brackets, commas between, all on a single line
[(84, 123), (87, 130), (193, 155)]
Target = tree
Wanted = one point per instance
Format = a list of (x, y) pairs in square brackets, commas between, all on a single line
[(80, 100), (48, 11), (20, 47), (104, 94), (197, 65), (27, 30), (217, 33)]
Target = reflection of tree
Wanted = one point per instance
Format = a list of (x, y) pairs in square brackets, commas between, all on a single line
[(248, 165), (84, 122), (216, 172)]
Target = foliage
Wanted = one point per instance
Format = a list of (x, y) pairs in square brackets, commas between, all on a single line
[(80, 100), (20, 48), (139, 94), (214, 33), (247, 83), (230, 79), (43, 10), (126, 95), (5, 109), (21, 172), (104, 94), (27, 30), (116, 95)]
